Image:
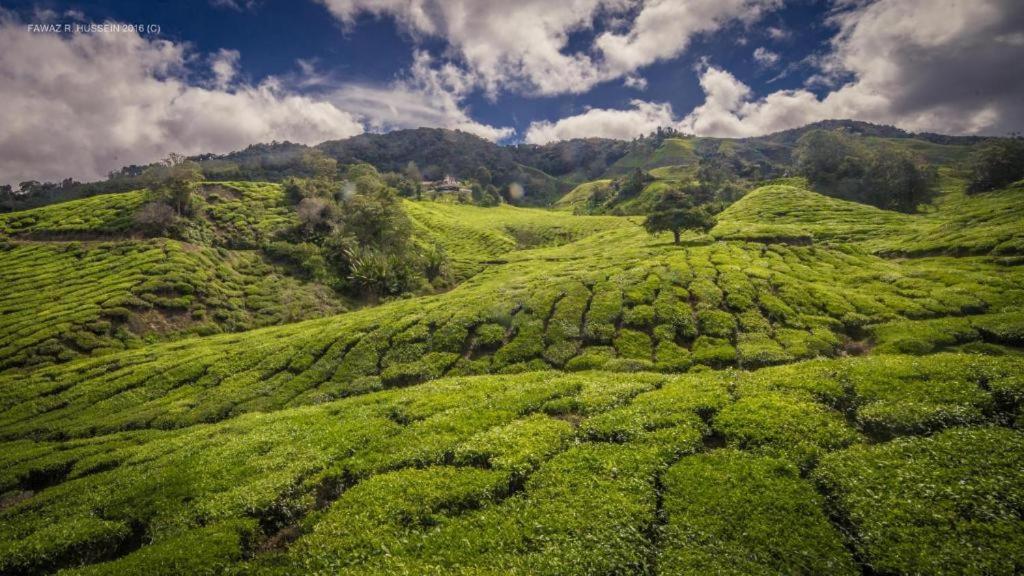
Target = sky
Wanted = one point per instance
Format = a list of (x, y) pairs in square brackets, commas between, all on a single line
[(89, 86)]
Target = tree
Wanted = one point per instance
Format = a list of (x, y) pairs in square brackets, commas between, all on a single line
[(155, 217), (482, 175), (827, 158), (996, 164), (319, 165), (893, 180), (676, 211), (7, 197), (172, 181), (885, 175), (633, 183), (315, 214)]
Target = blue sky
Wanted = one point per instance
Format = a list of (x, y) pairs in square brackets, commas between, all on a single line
[(221, 74)]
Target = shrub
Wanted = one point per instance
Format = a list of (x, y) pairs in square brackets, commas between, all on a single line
[(519, 447), (591, 358), (716, 323), (784, 424), (946, 504), (633, 344), (670, 357), (756, 350), (733, 513), (713, 351), (639, 316), (996, 164)]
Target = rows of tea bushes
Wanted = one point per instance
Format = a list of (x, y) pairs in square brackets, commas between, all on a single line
[(958, 224), (473, 236), (226, 214), (65, 300), (105, 214), (588, 400), (80, 281), (553, 473), (646, 307)]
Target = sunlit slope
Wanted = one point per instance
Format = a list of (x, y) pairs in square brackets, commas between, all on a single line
[(80, 280), (782, 212), (988, 223), (63, 300), (674, 152), (579, 196), (229, 214), (588, 400), (617, 300), (547, 472), (473, 235)]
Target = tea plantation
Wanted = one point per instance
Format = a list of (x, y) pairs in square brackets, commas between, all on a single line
[(816, 387)]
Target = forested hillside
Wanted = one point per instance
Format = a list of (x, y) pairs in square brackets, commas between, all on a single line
[(261, 382)]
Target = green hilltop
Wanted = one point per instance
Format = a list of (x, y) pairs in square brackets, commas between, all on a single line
[(814, 386)]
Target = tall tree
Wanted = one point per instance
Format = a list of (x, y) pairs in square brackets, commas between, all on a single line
[(676, 211)]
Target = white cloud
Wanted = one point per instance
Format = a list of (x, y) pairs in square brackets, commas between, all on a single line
[(777, 33), (521, 45), (765, 57), (948, 67), (635, 82), (642, 118), (224, 65), (85, 104), (430, 96), (237, 5)]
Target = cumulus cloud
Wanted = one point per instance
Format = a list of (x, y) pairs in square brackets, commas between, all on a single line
[(85, 104), (765, 57), (430, 95), (642, 118), (522, 45), (952, 67), (635, 82), (224, 65)]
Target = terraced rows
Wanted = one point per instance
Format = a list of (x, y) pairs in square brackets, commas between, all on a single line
[(548, 472), (576, 307), (959, 224), (65, 300), (474, 236), (614, 405)]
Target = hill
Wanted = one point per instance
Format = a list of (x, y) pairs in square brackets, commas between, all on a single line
[(575, 396), (545, 172)]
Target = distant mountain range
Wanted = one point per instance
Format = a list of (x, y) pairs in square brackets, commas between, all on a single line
[(546, 172)]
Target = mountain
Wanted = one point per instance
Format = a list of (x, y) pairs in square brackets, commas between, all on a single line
[(545, 172)]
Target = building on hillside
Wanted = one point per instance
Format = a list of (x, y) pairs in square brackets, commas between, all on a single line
[(448, 183)]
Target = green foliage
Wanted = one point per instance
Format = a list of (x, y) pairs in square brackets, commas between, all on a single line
[(352, 444), (734, 513), (519, 447), (996, 164), (676, 211), (940, 505), (789, 425), (884, 175)]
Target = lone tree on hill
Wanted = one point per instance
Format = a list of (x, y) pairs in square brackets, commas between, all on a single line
[(172, 180), (676, 211)]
